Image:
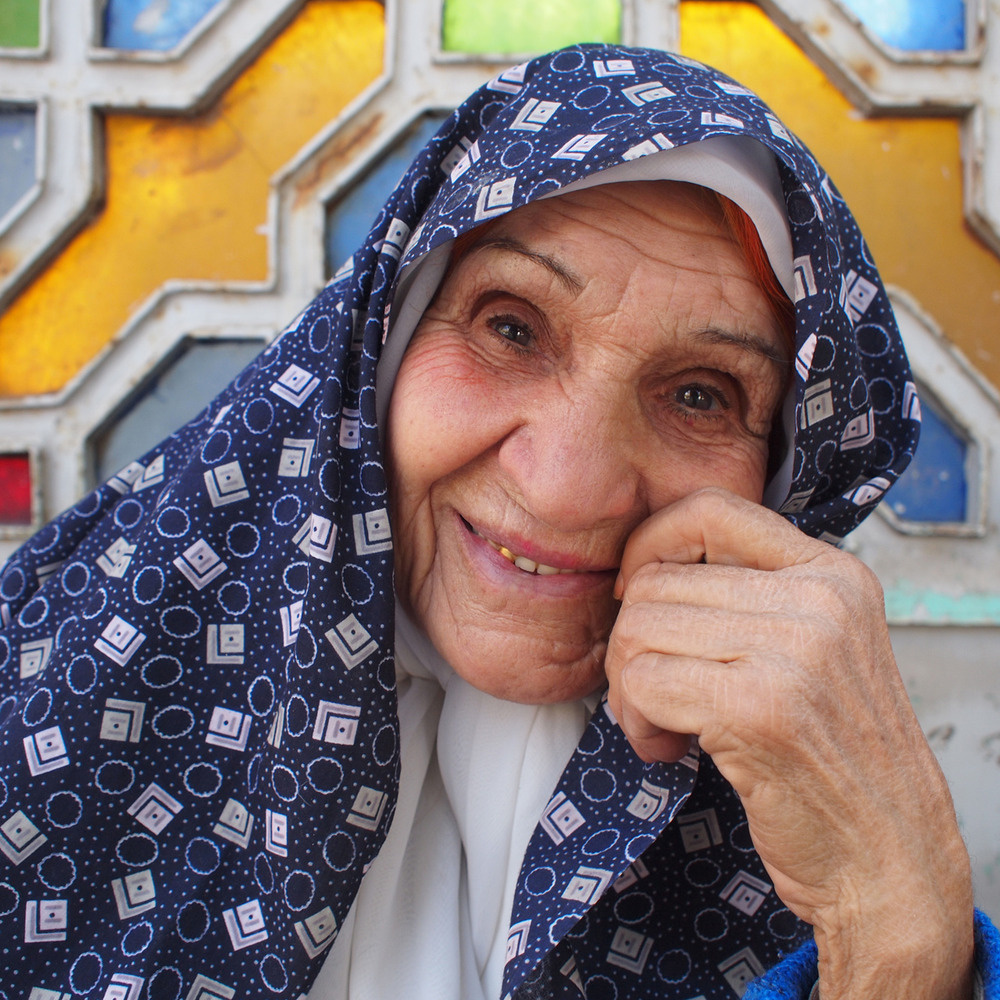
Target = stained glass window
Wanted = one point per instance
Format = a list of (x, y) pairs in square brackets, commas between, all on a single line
[(934, 488), (352, 215), (17, 154), (173, 396), (15, 488), (914, 24), (19, 26), (514, 26), (151, 24)]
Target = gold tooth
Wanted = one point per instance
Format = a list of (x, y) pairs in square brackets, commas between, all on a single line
[(510, 557)]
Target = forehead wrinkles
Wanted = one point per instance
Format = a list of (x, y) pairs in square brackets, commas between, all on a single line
[(658, 250), (680, 225)]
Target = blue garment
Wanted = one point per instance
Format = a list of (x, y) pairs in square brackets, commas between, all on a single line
[(200, 743)]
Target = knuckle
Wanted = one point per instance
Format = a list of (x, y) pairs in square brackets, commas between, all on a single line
[(843, 593), (818, 593), (708, 502), (648, 583), (622, 642)]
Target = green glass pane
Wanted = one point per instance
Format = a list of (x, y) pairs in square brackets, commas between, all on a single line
[(19, 24), (514, 26)]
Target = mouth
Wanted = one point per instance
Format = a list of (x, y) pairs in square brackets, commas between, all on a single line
[(522, 562)]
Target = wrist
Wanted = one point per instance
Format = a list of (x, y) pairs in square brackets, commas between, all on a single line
[(903, 955)]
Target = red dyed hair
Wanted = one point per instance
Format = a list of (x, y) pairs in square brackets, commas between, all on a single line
[(745, 234)]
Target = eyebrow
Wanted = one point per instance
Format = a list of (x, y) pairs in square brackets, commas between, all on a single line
[(749, 342), (746, 341), (566, 276)]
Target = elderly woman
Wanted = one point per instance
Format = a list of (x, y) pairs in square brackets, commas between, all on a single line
[(615, 459)]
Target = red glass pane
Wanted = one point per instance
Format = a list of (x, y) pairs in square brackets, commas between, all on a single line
[(15, 489)]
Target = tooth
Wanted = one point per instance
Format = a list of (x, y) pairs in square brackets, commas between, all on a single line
[(522, 562)]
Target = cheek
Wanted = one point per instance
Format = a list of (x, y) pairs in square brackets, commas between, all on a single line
[(442, 415), (687, 464), (744, 473)]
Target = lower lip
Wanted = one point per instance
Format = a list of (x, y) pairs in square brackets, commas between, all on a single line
[(504, 573)]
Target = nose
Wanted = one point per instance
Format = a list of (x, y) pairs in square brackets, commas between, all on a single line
[(572, 456)]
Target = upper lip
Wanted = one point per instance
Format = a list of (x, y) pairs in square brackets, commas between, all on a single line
[(522, 546)]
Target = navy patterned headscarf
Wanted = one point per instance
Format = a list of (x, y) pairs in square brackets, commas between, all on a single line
[(200, 743)]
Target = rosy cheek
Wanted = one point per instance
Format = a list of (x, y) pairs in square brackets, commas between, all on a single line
[(739, 468), (443, 413)]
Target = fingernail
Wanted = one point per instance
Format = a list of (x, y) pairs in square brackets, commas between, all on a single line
[(619, 587)]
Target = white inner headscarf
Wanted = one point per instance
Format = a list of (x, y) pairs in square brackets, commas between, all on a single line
[(430, 920)]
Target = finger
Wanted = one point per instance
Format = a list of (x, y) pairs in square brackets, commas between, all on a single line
[(729, 588), (706, 633), (661, 701), (740, 708), (715, 526), (661, 691), (650, 742)]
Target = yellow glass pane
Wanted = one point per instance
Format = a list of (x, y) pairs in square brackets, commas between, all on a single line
[(516, 26), (187, 197), (902, 176)]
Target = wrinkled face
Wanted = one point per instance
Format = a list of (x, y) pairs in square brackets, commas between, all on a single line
[(590, 359)]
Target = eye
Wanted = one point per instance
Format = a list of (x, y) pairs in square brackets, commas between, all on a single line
[(698, 397), (513, 330)]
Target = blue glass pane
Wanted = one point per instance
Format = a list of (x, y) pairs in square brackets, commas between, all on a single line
[(914, 24), (151, 24), (175, 395), (17, 154), (350, 218), (934, 487)]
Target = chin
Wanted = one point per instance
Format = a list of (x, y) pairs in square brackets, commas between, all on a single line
[(516, 669)]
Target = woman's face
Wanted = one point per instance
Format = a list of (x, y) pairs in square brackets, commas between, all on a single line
[(590, 359)]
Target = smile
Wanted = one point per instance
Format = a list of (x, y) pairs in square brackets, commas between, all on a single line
[(521, 562)]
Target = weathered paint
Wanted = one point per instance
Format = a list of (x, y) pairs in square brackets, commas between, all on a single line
[(950, 675), (517, 26), (19, 24), (187, 197), (902, 176), (935, 607)]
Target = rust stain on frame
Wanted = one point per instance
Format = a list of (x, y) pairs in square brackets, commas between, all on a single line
[(350, 144)]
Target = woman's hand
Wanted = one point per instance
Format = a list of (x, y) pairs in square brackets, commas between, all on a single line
[(772, 648)]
